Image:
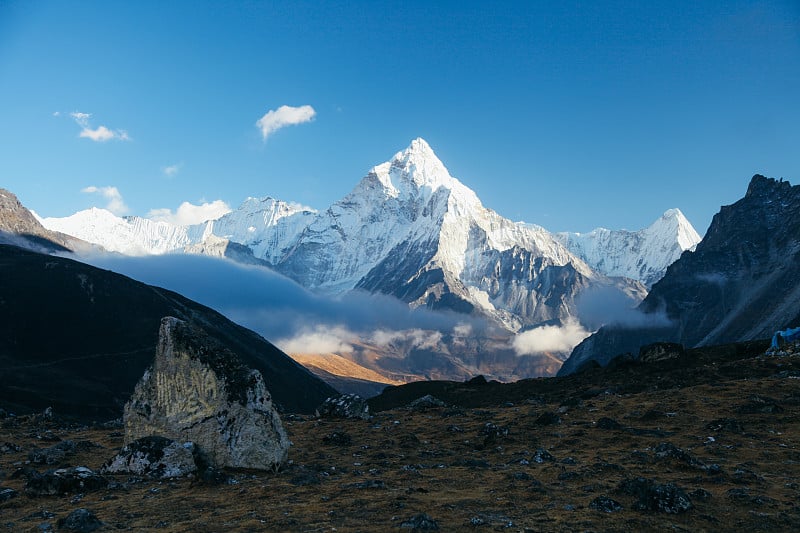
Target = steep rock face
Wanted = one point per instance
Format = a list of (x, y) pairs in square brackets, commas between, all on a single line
[(79, 338), (20, 227), (198, 390), (741, 283), (643, 255)]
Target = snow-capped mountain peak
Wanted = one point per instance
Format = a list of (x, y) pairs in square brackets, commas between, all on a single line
[(415, 172), (644, 254)]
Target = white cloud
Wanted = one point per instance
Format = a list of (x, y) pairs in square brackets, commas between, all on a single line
[(99, 134), (115, 203), (285, 115), (413, 338), (188, 213), (319, 340), (550, 338), (171, 170)]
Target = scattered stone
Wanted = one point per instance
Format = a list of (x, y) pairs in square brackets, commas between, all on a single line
[(344, 406), (605, 504), (197, 390), (81, 520), (425, 403), (493, 430), (548, 418), (6, 494), (651, 496), (156, 457), (660, 351), (8, 447), (421, 522), (495, 520), (52, 455), (337, 438), (542, 456), (667, 450), (64, 481)]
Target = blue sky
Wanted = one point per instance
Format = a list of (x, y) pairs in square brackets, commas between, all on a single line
[(567, 114)]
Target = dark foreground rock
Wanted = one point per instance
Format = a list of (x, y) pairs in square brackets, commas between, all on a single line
[(156, 457), (197, 390)]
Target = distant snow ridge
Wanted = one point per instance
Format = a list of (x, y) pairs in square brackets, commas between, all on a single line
[(266, 225), (643, 255)]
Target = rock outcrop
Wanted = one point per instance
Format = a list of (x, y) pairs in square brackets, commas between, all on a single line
[(197, 390), (741, 283)]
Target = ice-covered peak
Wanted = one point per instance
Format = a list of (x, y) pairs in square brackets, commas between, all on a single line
[(674, 226), (643, 255), (412, 171)]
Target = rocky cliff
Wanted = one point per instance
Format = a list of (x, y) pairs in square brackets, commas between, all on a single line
[(742, 282)]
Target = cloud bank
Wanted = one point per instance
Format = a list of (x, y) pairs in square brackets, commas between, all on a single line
[(115, 203), (99, 134), (284, 116), (188, 213), (285, 313), (550, 338)]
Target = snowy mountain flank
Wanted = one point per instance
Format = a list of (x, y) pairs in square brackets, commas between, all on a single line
[(642, 255), (411, 230)]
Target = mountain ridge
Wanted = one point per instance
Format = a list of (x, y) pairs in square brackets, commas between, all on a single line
[(742, 281)]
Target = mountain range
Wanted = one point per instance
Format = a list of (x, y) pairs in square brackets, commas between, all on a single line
[(742, 282), (410, 230)]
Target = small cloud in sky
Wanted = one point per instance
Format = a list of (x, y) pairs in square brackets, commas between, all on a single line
[(188, 213), (115, 203), (56, 113), (285, 115), (99, 134), (172, 170)]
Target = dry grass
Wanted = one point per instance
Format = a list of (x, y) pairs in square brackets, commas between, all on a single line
[(438, 462)]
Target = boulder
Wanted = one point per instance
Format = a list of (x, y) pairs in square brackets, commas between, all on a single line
[(81, 520), (156, 457), (660, 351), (64, 481), (197, 390), (344, 406)]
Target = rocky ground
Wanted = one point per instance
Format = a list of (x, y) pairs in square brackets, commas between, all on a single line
[(709, 441)]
